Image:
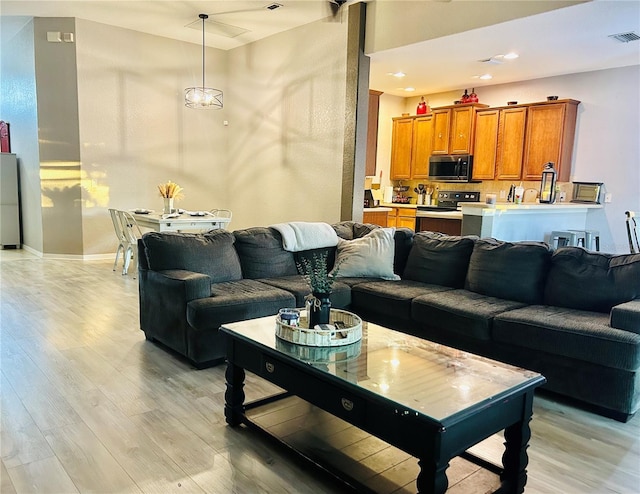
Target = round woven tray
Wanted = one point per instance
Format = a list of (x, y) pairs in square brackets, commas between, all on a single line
[(301, 335)]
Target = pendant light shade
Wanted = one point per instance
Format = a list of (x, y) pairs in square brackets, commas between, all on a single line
[(203, 97)]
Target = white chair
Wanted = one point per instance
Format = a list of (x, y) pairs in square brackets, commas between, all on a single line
[(222, 213), (632, 233), (131, 234), (120, 235)]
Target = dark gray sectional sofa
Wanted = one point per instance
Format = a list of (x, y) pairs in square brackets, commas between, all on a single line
[(572, 315)]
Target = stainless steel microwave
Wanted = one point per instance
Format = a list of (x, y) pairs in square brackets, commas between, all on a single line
[(451, 168)]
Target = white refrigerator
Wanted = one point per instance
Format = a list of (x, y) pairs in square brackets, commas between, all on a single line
[(9, 209)]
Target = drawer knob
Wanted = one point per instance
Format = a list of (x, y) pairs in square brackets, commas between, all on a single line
[(347, 404), (270, 367)]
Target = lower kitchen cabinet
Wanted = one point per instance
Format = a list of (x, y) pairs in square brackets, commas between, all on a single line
[(376, 217), (450, 226), (402, 218)]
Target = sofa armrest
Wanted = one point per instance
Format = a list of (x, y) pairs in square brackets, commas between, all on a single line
[(626, 316), (185, 285)]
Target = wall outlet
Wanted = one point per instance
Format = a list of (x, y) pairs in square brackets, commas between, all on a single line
[(503, 194), (607, 197)]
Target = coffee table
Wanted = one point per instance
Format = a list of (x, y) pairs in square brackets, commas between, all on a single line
[(429, 400)]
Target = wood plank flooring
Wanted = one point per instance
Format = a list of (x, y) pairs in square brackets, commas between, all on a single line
[(87, 405)]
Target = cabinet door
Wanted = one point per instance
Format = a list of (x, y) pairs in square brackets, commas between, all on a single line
[(401, 149), (544, 139), (441, 125), (510, 144), (375, 217), (486, 144), (461, 130), (422, 146)]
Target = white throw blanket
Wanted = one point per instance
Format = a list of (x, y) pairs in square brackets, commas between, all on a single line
[(300, 235)]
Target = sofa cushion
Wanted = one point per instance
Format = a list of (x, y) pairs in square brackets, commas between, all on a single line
[(592, 281), (369, 256), (262, 255), (348, 230), (392, 298), (460, 311), (211, 253), (236, 301), (513, 271), (439, 259), (581, 335), (298, 287)]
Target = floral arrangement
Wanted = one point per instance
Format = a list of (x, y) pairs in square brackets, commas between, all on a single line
[(170, 190), (316, 274)]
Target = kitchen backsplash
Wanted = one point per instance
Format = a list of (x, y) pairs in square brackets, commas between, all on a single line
[(485, 187)]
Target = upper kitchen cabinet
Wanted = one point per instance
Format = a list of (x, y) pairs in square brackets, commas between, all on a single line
[(411, 147), (401, 145), (441, 127), (485, 145), (550, 134), (423, 131), (454, 128), (511, 132)]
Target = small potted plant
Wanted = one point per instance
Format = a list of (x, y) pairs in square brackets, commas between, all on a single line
[(320, 281)]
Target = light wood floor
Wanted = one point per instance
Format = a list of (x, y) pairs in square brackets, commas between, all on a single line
[(89, 406)]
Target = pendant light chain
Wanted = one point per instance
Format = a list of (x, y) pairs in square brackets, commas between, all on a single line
[(203, 17)]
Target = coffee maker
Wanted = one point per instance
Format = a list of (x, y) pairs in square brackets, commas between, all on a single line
[(369, 201)]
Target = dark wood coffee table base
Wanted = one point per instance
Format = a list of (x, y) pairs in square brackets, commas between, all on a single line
[(433, 442)]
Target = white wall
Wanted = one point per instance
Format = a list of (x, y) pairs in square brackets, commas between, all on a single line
[(135, 131), (286, 119), (607, 146)]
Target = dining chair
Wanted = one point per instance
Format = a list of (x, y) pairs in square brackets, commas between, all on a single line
[(632, 233), (120, 235), (222, 213), (131, 234)]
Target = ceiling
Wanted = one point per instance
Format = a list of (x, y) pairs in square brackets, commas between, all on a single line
[(568, 40)]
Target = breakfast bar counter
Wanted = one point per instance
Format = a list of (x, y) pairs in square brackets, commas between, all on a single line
[(527, 221)]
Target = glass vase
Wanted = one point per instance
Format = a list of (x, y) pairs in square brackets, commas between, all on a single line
[(168, 205), (318, 309)]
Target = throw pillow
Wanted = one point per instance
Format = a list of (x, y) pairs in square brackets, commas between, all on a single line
[(513, 271), (370, 256), (439, 259), (592, 281)]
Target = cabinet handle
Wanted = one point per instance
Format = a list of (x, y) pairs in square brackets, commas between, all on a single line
[(270, 367), (347, 404)]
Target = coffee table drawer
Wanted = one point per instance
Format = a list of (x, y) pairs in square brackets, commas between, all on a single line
[(331, 398)]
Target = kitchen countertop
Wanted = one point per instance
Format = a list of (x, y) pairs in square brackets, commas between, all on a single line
[(398, 205), (379, 209), (445, 215), (483, 209)]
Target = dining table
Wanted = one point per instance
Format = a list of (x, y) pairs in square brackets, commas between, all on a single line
[(178, 222)]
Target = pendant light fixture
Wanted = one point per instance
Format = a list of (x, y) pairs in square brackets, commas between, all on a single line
[(203, 97)]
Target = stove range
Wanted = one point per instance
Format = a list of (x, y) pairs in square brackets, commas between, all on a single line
[(449, 200)]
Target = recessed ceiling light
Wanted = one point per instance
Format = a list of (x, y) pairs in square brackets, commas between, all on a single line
[(396, 74), (486, 77), (409, 89), (511, 56)]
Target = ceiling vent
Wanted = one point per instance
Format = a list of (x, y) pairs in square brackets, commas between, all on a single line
[(625, 37), (492, 60)]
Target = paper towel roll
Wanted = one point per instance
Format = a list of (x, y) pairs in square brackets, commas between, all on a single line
[(388, 194)]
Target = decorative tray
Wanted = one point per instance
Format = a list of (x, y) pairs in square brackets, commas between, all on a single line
[(302, 335), (320, 354)]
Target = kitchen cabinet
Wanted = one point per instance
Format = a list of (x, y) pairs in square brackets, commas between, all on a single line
[(376, 217), (422, 146), (402, 218), (441, 126), (511, 133), (499, 144), (551, 128), (485, 145), (401, 144), (372, 132), (454, 128), (411, 147)]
